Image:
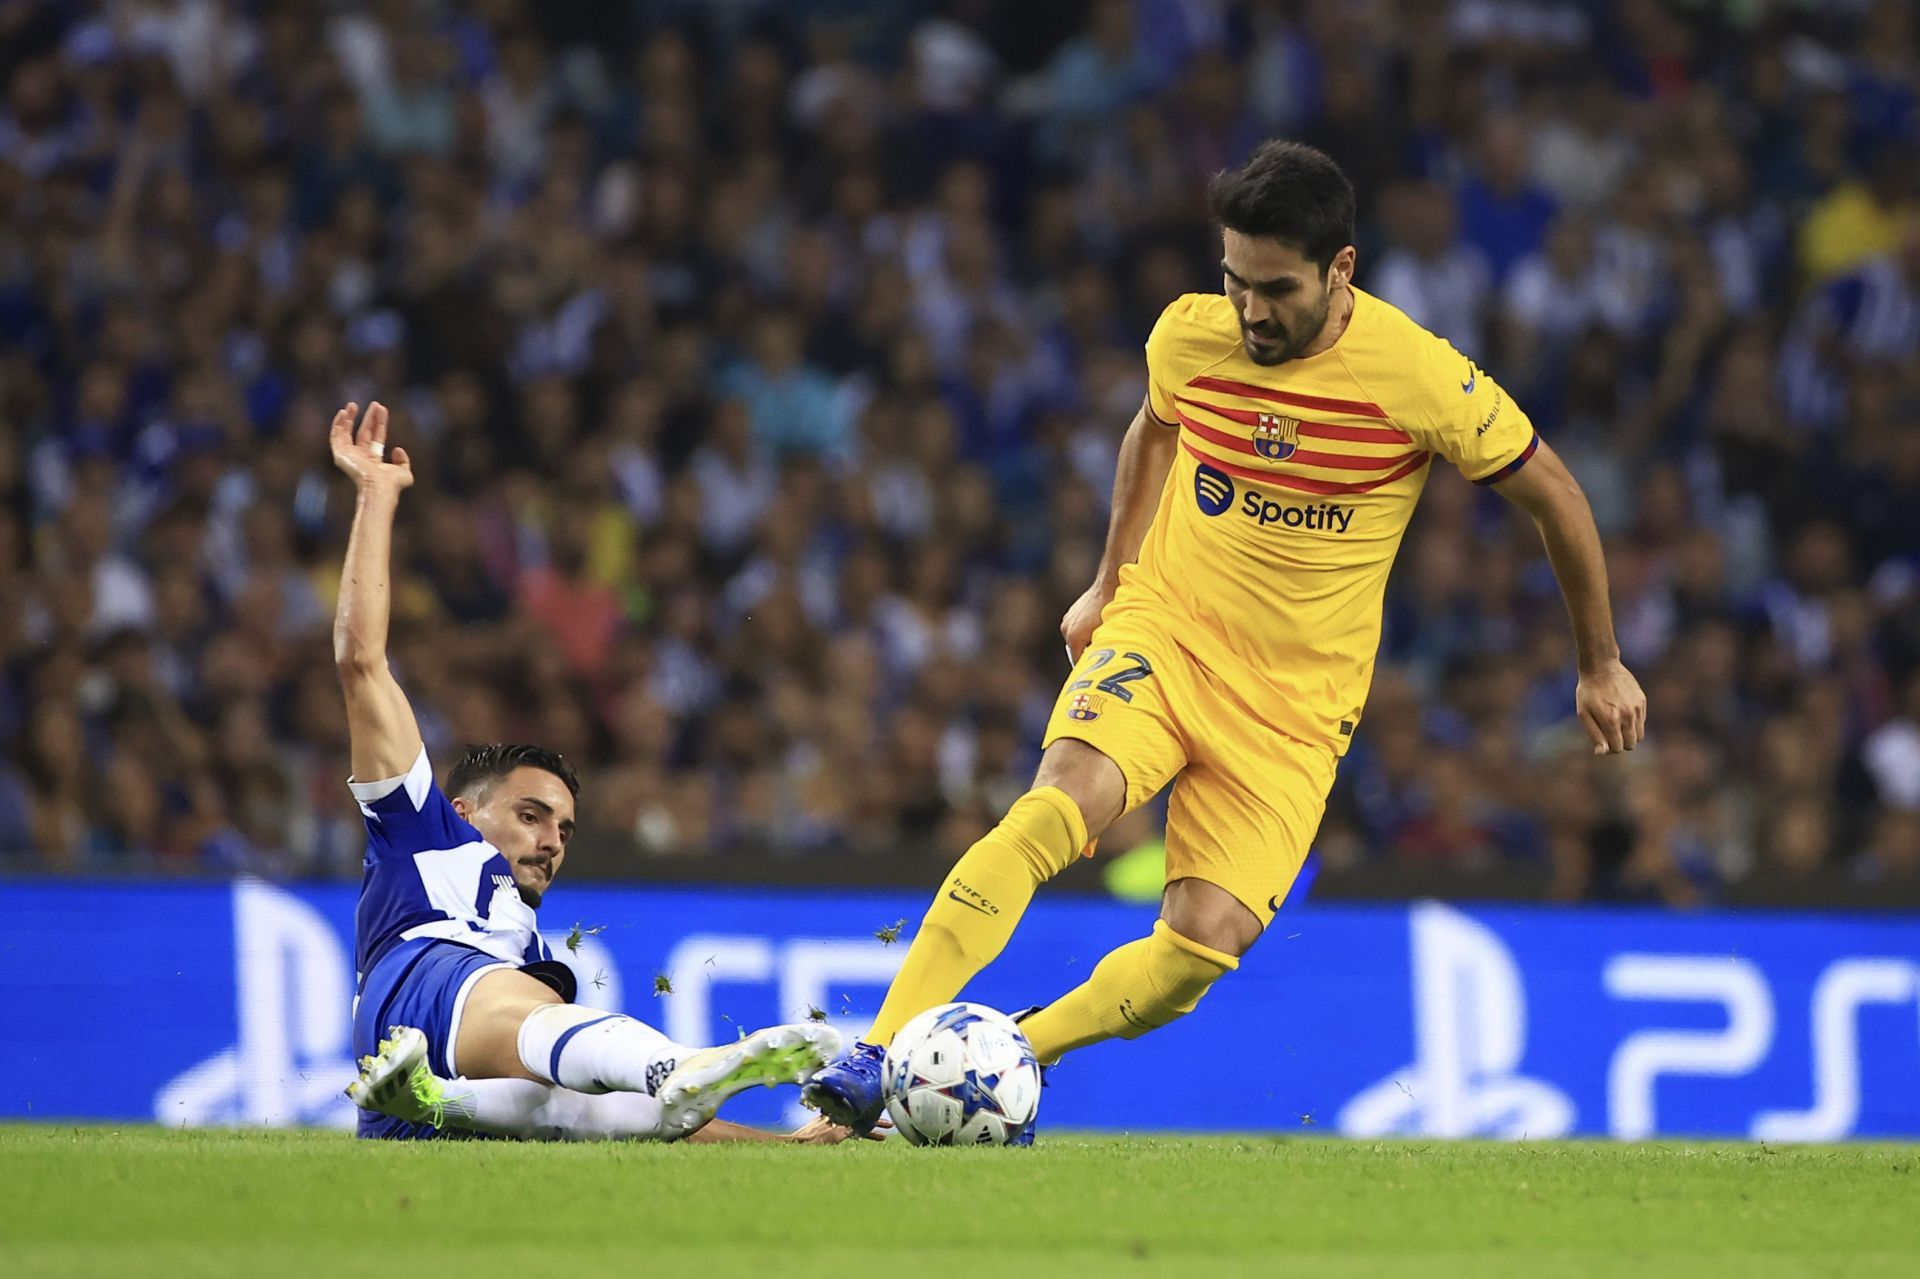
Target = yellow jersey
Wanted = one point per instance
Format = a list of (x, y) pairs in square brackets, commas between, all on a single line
[(1290, 490)]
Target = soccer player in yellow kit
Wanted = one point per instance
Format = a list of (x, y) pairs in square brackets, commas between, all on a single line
[(1229, 639)]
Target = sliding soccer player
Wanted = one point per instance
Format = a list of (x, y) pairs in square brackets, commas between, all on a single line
[(1229, 639), (446, 942), (398, 1082)]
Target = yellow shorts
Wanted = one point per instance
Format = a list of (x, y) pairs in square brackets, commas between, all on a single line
[(1248, 799)]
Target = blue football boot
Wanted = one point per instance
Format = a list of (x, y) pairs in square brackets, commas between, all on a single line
[(848, 1090), (1026, 1134)]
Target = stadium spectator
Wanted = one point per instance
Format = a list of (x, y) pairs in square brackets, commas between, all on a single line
[(762, 367), (1502, 212), (1427, 272)]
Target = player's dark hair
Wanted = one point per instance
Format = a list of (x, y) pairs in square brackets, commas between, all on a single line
[(1291, 192), (482, 766)]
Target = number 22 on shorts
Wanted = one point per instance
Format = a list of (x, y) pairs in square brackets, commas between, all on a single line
[(1115, 683)]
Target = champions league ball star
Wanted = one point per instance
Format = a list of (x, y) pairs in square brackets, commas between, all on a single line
[(962, 1075)]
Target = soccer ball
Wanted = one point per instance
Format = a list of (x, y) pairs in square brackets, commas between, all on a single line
[(962, 1075)]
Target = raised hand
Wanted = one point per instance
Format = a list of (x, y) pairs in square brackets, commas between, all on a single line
[(363, 454)]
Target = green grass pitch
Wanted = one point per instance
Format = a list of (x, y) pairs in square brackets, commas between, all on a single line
[(140, 1201)]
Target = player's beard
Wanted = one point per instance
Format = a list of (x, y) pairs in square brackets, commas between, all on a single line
[(538, 878), (1285, 343)]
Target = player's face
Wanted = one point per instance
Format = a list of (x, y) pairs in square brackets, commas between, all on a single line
[(1282, 298), (528, 816)]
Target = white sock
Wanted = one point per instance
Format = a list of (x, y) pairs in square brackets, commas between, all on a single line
[(541, 1112), (595, 1052)]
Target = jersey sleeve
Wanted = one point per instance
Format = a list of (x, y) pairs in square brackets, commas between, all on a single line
[(410, 814), (1162, 347), (1468, 418)]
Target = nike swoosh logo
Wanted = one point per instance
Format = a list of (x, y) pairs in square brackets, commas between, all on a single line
[(967, 901), (1467, 385)]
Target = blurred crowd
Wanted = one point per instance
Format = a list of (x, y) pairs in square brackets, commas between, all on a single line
[(763, 364)]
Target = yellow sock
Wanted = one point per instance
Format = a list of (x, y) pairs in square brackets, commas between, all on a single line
[(1140, 987), (980, 902)]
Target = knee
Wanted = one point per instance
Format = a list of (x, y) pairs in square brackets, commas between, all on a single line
[(1179, 971), (1182, 968), (1089, 778), (1208, 914), (497, 1009), (1043, 833), (506, 1007)]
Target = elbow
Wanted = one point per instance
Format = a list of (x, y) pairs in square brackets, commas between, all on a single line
[(1569, 496), (355, 661), (1557, 508), (1547, 491), (1560, 497)]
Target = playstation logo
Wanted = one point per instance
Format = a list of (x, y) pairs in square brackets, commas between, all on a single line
[(1470, 1033)]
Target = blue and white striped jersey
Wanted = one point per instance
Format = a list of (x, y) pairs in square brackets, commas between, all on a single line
[(1873, 313), (430, 874)]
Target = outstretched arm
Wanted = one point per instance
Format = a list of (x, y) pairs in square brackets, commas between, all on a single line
[(1146, 455), (1611, 705), (384, 738)]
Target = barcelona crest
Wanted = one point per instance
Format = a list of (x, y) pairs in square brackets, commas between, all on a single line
[(1275, 437), (1084, 707)]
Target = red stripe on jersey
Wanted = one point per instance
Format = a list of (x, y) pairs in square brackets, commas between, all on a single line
[(1213, 435), (1316, 430), (1357, 434), (1300, 457), (1307, 484), (1358, 408)]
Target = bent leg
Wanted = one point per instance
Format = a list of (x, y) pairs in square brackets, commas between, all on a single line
[(398, 1082), (592, 1051), (1142, 986), (514, 1027), (1114, 739), (1238, 829), (531, 1111), (487, 1040), (1077, 792)]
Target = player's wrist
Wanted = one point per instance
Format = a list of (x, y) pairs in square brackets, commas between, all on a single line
[(1597, 663), (376, 494)]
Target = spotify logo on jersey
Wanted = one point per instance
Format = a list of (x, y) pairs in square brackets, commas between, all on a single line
[(1213, 490)]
